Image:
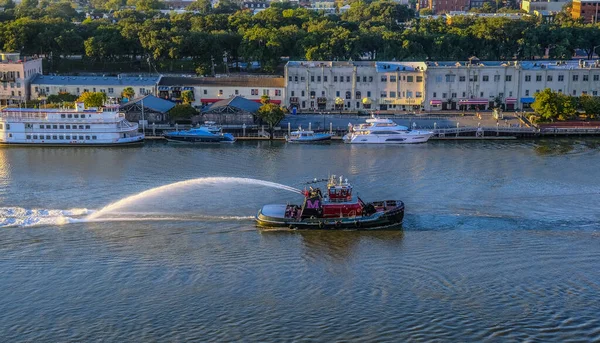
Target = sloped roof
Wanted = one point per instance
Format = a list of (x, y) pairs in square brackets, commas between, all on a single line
[(95, 80), (152, 102), (275, 82), (236, 102)]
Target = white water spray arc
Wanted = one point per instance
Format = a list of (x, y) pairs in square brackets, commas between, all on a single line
[(194, 182)]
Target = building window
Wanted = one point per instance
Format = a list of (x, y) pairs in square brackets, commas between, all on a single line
[(337, 93), (205, 92), (277, 92), (509, 93), (220, 92), (508, 78), (370, 78), (55, 127), (434, 94), (454, 95), (290, 78), (561, 78), (302, 79), (265, 92), (348, 80), (94, 137), (383, 78), (481, 94), (383, 94), (392, 78), (61, 137), (596, 77), (358, 79), (462, 78), (392, 94), (368, 94), (418, 94), (47, 136), (438, 78), (28, 136), (419, 78), (574, 92), (54, 137), (296, 78), (409, 94), (538, 78), (485, 78), (334, 78), (575, 77), (585, 78), (450, 77), (318, 78), (549, 78), (293, 93), (61, 127), (312, 78), (444, 95), (496, 78), (527, 78), (302, 93), (312, 94), (595, 93), (348, 95), (409, 79), (527, 92), (325, 78), (358, 95), (111, 90)]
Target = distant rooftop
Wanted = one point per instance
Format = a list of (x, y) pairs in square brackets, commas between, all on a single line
[(313, 64), (399, 66), (274, 81), (15, 57), (568, 64), (95, 80)]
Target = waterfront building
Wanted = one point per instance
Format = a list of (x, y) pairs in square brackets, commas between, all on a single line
[(586, 9), (530, 6), (44, 85), (352, 86), (209, 90), (512, 85), (16, 72)]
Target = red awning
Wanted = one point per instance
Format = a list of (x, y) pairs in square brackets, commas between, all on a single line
[(511, 100), (473, 102), (435, 102), (210, 101)]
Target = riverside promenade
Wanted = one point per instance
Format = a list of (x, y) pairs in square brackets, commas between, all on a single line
[(445, 125)]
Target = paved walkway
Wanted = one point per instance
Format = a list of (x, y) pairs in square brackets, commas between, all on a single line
[(440, 120)]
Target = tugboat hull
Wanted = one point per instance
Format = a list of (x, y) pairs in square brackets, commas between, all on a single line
[(386, 217)]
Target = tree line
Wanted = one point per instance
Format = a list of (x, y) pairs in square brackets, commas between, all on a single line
[(369, 30), (550, 106)]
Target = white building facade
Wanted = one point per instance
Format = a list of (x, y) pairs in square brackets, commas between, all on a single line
[(43, 86), (353, 86)]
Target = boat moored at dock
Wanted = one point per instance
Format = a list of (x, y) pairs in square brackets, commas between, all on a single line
[(384, 131), (302, 136), (338, 209), (207, 133), (67, 127)]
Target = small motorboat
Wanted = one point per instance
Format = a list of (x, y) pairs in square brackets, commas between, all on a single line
[(338, 209), (207, 133), (302, 136)]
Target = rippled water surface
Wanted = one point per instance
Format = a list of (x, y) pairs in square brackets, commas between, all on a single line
[(501, 243)]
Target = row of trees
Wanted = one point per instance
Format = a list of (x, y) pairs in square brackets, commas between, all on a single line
[(378, 30), (551, 106)]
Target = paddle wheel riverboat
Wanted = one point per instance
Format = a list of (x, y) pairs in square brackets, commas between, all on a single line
[(337, 209)]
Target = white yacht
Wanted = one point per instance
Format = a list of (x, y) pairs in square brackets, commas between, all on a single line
[(378, 130), (67, 127)]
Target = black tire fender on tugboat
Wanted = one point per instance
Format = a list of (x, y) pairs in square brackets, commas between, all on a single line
[(321, 225), (338, 224), (357, 223)]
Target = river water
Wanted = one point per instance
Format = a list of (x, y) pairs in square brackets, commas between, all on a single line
[(501, 243)]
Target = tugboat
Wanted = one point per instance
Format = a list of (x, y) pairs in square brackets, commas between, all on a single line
[(338, 209)]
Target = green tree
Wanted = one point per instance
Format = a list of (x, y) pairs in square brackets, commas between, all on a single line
[(92, 99), (202, 6), (590, 105), (553, 105), (271, 114), (425, 11), (61, 97), (128, 93), (183, 112), (265, 99)]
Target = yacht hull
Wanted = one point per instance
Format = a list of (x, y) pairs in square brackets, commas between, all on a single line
[(388, 139)]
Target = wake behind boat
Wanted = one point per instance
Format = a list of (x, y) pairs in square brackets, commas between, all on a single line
[(337, 209), (207, 133), (385, 131), (302, 136)]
